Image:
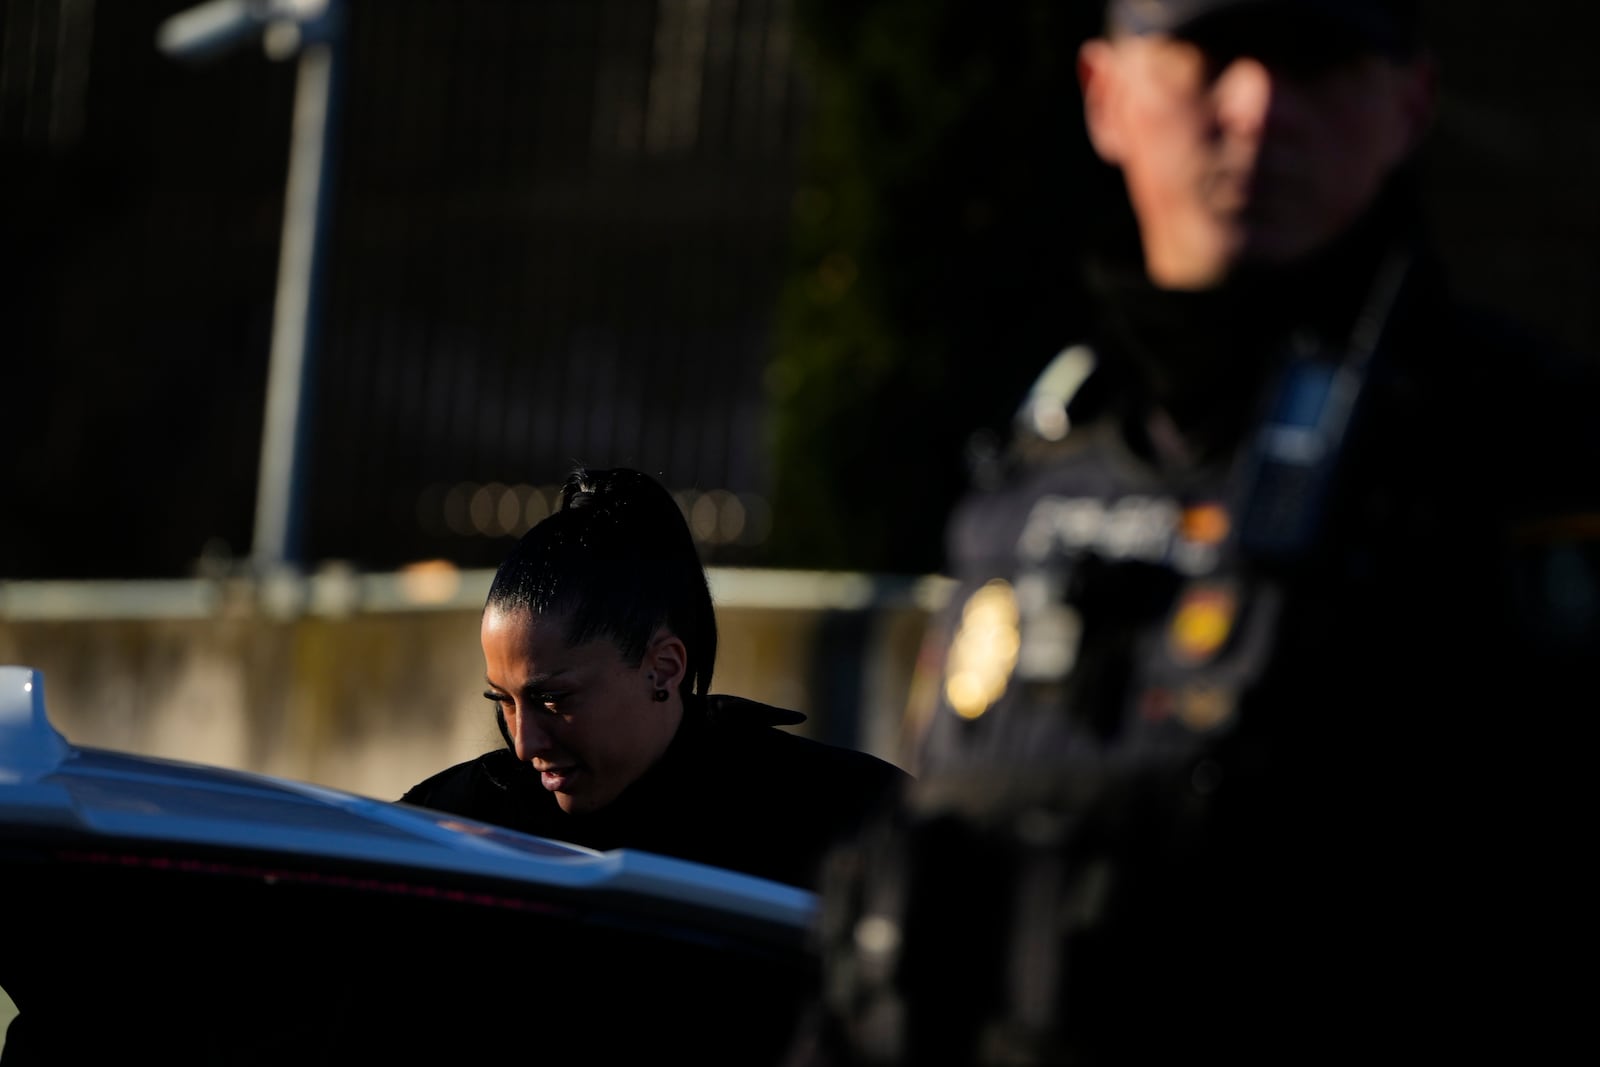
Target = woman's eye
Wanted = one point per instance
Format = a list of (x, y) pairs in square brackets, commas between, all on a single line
[(549, 702)]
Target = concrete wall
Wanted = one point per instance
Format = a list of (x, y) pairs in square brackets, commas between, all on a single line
[(370, 682)]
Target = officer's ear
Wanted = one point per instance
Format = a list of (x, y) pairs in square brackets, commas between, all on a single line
[(1098, 78)]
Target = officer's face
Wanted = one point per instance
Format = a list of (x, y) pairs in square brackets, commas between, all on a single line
[(1233, 158), (580, 714)]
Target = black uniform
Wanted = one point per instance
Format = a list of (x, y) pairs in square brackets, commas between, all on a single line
[(732, 790), (1253, 732)]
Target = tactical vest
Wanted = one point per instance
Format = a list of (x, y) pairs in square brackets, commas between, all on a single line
[(1100, 790)]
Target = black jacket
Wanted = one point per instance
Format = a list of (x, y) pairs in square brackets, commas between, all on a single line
[(732, 790), (1273, 797)]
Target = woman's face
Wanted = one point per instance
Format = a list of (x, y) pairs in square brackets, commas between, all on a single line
[(581, 715)]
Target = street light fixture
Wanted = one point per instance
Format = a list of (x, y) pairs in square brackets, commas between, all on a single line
[(312, 31)]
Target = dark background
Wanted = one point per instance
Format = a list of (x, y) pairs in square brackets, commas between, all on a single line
[(787, 254)]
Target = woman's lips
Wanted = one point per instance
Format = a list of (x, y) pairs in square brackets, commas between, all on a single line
[(556, 779)]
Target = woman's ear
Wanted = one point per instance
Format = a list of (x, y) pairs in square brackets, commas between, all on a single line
[(666, 660)]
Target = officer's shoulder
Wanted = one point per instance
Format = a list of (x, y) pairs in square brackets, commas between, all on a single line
[(1530, 385), (1519, 408), (1484, 345)]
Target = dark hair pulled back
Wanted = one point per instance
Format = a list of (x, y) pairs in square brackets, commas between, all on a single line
[(616, 560)]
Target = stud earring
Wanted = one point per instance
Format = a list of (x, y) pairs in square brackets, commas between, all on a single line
[(659, 696)]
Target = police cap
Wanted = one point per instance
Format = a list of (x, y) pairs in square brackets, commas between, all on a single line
[(1388, 27)]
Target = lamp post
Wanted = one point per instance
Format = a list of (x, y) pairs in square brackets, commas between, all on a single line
[(311, 32)]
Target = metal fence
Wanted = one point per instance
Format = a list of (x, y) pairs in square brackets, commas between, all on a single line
[(555, 234)]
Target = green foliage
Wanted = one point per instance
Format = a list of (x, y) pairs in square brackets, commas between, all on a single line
[(935, 235)]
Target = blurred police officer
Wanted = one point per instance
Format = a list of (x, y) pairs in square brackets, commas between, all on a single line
[(1252, 717)]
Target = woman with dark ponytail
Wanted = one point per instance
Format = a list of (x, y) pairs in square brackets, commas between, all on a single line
[(599, 637)]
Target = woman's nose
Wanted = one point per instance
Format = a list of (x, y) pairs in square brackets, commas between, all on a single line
[(529, 737)]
